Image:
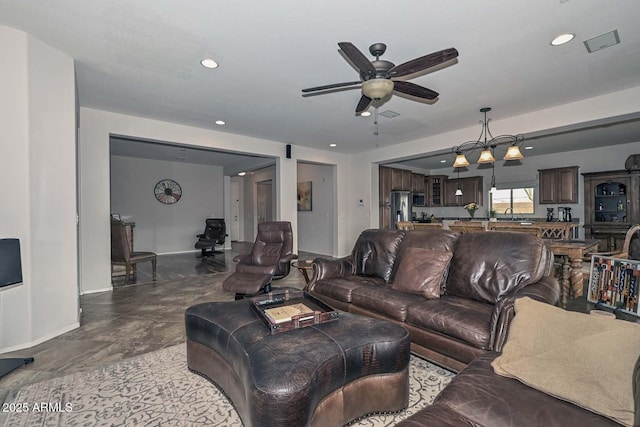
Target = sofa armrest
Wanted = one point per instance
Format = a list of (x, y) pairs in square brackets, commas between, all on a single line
[(546, 290), (243, 258), (330, 268)]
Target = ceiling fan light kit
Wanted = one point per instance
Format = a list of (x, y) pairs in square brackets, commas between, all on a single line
[(377, 88), (379, 78)]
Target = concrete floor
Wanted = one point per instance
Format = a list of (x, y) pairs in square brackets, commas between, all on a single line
[(134, 319)]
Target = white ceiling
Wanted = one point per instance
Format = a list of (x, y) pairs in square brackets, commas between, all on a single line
[(143, 58)]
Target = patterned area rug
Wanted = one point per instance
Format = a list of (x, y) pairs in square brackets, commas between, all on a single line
[(157, 389)]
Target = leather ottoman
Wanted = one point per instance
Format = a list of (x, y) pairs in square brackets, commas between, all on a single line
[(327, 374)]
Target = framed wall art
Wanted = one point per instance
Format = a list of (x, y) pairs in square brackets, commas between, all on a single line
[(304, 196)]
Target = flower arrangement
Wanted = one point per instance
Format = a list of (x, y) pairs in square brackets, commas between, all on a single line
[(472, 208)]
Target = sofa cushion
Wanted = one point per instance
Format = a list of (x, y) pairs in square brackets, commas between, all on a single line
[(341, 288), (459, 318), (487, 265), (586, 360), (488, 399), (434, 239), (422, 271), (375, 252), (383, 300)]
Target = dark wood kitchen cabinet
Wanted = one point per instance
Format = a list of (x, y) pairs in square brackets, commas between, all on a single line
[(417, 183), (400, 179), (435, 190), (471, 187), (558, 185)]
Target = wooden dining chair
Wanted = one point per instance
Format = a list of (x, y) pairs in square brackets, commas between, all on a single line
[(405, 225), (467, 227), (122, 251), (428, 225), (529, 229), (630, 248)]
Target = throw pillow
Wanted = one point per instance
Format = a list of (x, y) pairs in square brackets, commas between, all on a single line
[(422, 271), (586, 360)]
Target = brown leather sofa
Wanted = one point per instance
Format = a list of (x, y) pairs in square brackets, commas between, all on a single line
[(479, 397), (469, 314)]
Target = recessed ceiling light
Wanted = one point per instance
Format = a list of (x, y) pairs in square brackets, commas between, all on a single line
[(528, 148), (209, 63), (443, 161), (242, 173), (365, 113), (221, 122), (562, 39), (333, 145)]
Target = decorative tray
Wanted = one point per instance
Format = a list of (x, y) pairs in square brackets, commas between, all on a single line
[(286, 309)]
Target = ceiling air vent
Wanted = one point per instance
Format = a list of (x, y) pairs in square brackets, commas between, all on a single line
[(602, 41), (389, 114)]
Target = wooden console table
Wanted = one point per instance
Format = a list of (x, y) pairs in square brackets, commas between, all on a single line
[(572, 251)]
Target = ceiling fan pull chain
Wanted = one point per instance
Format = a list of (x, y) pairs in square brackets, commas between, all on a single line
[(375, 122)]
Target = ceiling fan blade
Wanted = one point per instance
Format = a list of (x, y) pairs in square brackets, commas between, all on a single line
[(325, 87), (414, 90), (363, 104), (358, 58), (423, 62)]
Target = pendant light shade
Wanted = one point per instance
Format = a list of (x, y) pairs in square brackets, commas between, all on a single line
[(486, 157), (458, 192), (461, 161), (513, 153)]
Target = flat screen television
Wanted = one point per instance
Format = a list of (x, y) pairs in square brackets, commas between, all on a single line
[(10, 262)]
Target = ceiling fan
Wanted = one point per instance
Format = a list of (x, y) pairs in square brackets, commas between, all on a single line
[(379, 78)]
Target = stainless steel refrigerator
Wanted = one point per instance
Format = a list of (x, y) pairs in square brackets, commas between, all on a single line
[(400, 207)]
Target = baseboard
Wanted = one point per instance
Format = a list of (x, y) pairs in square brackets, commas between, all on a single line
[(41, 339), (95, 291)]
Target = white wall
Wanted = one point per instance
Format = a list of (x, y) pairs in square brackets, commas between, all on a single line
[(37, 167), (164, 228), (316, 227), (95, 129)]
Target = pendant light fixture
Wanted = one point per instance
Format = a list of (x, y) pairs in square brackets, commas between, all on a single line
[(487, 143)]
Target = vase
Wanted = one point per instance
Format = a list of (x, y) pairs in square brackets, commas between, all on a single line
[(472, 213)]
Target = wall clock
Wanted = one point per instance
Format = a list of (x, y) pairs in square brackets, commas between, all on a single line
[(167, 191)]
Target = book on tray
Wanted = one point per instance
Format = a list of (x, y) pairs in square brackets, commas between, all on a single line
[(286, 312)]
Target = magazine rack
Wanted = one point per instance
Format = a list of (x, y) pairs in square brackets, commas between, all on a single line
[(318, 311), (614, 283)]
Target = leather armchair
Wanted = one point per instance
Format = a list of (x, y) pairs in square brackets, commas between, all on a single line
[(214, 234), (270, 259)]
